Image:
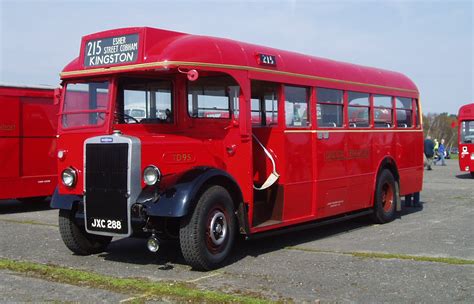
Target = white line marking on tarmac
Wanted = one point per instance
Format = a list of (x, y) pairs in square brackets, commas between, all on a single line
[(134, 298), (204, 277)]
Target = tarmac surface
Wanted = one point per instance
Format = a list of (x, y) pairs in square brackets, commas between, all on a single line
[(319, 264)]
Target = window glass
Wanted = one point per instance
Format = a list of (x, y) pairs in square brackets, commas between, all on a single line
[(329, 110), (329, 96), (382, 101), (264, 103), (358, 117), (296, 106), (144, 101), (137, 113), (403, 103), (404, 112), (383, 112), (212, 97), (358, 99), (383, 118), (467, 131), (329, 116), (86, 96), (358, 110), (85, 104), (271, 108), (256, 114), (404, 119)]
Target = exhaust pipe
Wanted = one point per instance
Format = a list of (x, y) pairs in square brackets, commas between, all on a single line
[(153, 243)]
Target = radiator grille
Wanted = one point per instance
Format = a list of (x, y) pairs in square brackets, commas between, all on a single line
[(106, 187)]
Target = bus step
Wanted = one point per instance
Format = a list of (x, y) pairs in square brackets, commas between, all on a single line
[(268, 223)]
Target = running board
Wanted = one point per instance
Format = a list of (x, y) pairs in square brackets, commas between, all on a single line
[(309, 225)]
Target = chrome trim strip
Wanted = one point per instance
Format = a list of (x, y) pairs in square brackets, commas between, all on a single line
[(168, 64)]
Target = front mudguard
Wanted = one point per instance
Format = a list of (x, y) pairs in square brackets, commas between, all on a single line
[(181, 198), (64, 201)]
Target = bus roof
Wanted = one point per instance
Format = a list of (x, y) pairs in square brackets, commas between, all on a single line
[(26, 86), (159, 48), (18, 90), (466, 112)]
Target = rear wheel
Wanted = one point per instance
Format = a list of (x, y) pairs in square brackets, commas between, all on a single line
[(386, 198), (472, 174), (207, 235), (77, 239)]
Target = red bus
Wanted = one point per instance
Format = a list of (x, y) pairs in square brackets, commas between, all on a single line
[(466, 138), (28, 128), (282, 149)]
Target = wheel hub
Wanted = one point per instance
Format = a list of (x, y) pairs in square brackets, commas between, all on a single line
[(218, 228), (387, 197)]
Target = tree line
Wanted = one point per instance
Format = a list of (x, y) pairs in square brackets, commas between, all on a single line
[(440, 126)]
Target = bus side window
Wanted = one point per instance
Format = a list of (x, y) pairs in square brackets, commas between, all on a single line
[(358, 110), (255, 111), (264, 103), (296, 106), (212, 97), (329, 110), (404, 112), (383, 111)]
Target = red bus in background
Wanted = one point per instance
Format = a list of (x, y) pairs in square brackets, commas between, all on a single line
[(255, 141), (466, 138), (28, 128)]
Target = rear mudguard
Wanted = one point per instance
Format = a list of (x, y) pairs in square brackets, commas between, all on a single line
[(181, 198)]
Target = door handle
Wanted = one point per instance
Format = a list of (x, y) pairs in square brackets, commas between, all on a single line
[(231, 149)]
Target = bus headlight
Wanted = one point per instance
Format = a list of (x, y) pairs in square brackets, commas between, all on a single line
[(151, 175), (69, 177)]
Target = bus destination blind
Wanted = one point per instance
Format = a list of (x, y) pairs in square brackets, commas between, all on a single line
[(112, 50)]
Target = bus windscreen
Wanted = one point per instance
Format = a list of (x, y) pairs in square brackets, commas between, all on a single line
[(85, 104), (467, 131)]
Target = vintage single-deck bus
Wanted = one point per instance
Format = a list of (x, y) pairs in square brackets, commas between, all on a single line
[(254, 140), (466, 138), (28, 128)]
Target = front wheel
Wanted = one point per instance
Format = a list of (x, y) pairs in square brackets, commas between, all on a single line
[(77, 239), (207, 235), (472, 174), (386, 197)]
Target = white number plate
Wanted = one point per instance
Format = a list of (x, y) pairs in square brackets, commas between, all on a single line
[(106, 224)]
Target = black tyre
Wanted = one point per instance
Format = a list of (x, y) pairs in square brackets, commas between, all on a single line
[(472, 174), (77, 239), (386, 198), (206, 236)]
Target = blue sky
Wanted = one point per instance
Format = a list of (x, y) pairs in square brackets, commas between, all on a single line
[(429, 41)]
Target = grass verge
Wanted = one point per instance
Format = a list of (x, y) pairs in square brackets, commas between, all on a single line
[(379, 255), (142, 288)]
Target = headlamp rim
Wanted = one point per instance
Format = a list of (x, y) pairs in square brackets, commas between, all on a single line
[(157, 172), (73, 173)]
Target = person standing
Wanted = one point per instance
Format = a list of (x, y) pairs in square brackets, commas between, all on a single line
[(413, 200), (441, 153), (429, 151)]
